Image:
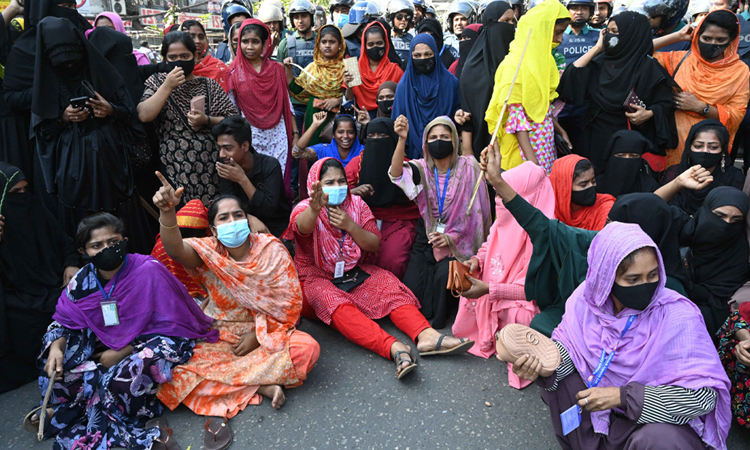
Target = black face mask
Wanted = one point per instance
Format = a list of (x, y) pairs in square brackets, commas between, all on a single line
[(464, 47), (424, 66), (711, 51), (440, 149), (610, 43), (111, 257), (70, 72), (705, 159), (385, 106), (586, 197), (187, 66), (635, 297), (375, 53)]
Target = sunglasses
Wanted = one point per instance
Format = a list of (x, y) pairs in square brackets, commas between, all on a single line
[(403, 17)]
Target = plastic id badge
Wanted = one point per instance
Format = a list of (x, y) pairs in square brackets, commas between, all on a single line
[(338, 272), (571, 419), (380, 224), (109, 311), (440, 228)]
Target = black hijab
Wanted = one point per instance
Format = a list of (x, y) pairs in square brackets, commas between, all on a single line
[(654, 216), (60, 42), (392, 55), (375, 162), (488, 52), (628, 67), (468, 39), (36, 10), (689, 200), (719, 249), (625, 175), (431, 25), (117, 48)]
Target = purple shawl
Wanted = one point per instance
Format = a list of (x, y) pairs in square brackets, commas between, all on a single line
[(466, 233), (667, 345), (150, 300)]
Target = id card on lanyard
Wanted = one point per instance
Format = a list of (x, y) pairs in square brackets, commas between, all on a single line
[(109, 303), (340, 262), (441, 200), (571, 418)]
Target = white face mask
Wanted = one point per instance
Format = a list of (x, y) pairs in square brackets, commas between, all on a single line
[(340, 19)]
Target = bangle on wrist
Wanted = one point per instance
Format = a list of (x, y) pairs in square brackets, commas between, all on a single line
[(168, 228)]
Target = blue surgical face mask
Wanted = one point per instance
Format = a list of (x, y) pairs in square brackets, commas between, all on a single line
[(233, 234), (336, 194), (340, 19)]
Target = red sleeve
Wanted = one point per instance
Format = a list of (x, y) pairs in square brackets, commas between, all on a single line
[(452, 68), (352, 171)]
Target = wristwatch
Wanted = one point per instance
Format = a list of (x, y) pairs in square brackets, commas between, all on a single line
[(706, 110)]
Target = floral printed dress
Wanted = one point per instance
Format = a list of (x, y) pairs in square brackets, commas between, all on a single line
[(104, 408), (739, 374)]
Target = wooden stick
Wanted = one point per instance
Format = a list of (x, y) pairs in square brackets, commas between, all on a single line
[(499, 121), (43, 411)]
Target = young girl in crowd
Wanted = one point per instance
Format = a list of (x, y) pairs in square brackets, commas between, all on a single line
[(529, 133), (707, 145), (714, 83), (619, 65), (576, 202), (374, 68), (344, 146), (333, 231), (395, 214), (205, 63), (258, 87), (426, 91), (105, 376), (385, 99), (498, 271), (187, 148), (441, 185)]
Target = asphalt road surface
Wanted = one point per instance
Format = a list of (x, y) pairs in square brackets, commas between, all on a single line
[(352, 400)]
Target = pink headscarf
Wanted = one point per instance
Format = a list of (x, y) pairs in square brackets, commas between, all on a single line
[(667, 344), (120, 26)]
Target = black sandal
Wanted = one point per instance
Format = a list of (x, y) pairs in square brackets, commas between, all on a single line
[(401, 359), (463, 347)]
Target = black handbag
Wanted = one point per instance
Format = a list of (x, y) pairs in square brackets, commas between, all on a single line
[(351, 279)]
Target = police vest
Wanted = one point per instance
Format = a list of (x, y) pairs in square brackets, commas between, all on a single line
[(451, 41), (573, 47), (352, 48), (402, 44), (301, 51)]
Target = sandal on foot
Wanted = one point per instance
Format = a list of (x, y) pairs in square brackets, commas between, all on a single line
[(30, 427), (45, 414), (221, 437), (164, 441), (463, 347), (516, 340), (401, 359)]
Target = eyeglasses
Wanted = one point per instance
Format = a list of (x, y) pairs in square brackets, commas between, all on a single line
[(403, 16)]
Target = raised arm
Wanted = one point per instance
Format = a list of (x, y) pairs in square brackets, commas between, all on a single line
[(694, 178), (301, 151), (685, 34), (586, 58), (401, 127), (306, 220), (150, 108), (165, 199)]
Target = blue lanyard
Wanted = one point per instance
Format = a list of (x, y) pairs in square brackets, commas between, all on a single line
[(114, 282), (341, 245), (441, 197), (604, 360)]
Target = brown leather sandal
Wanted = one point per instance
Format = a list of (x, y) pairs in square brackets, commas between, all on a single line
[(220, 439)]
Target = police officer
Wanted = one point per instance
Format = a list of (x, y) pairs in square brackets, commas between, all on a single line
[(666, 18), (420, 8), (460, 14), (300, 46), (273, 17), (579, 37), (339, 10), (518, 8), (401, 16), (602, 14), (360, 15), (231, 12)]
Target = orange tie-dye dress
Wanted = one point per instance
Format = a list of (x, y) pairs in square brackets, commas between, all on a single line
[(262, 294)]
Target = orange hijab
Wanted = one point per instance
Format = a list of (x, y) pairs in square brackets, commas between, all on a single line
[(592, 217), (367, 93)]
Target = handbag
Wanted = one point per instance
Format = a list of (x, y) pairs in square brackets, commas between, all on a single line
[(633, 99), (351, 279), (458, 282)]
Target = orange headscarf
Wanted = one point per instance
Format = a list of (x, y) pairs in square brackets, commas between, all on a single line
[(592, 217), (724, 84), (366, 94)]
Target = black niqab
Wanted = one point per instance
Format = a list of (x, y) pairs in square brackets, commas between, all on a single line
[(468, 39), (488, 52), (376, 159), (654, 216), (36, 10), (392, 55), (117, 48), (626, 175)]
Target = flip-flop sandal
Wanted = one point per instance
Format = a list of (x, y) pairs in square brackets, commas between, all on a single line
[(221, 438), (45, 414), (516, 340), (400, 360), (463, 347), (164, 441)]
